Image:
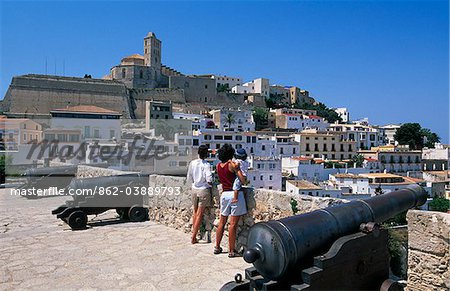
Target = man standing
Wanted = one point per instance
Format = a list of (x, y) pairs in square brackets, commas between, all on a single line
[(199, 173)]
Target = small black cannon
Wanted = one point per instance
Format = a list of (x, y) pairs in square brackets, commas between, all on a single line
[(337, 248), (125, 193)]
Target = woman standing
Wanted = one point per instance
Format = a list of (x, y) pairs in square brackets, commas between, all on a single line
[(230, 205)]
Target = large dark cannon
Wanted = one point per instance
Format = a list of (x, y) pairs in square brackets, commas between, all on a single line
[(127, 194), (281, 249), (42, 178)]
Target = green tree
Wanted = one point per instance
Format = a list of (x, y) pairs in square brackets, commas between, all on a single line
[(430, 138), (414, 135), (223, 88), (229, 119), (439, 204), (260, 116), (322, 110), (358, 159), (410, 134)]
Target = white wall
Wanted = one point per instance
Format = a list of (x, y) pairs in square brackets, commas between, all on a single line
[(89, 125)]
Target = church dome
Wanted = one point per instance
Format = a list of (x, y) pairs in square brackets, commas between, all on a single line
[(135, 59)]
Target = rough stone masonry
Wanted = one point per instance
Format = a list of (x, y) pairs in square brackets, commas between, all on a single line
[(428, 250)]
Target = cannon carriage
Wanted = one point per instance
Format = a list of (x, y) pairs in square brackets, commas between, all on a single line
[(336, 248), (93, 196)]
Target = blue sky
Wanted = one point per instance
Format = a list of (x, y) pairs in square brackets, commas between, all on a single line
[(386, 60)]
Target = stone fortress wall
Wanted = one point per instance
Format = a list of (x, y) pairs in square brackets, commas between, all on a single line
[(176, 210), (428, 250), (40, 94)]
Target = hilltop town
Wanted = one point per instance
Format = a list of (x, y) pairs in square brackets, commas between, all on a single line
[(295, 143), (145, 121)]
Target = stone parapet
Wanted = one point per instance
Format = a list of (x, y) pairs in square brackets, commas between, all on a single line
[(428, 250), (176, 210)]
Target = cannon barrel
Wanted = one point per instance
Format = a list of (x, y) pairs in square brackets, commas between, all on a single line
[(275, 247), (55, 171)]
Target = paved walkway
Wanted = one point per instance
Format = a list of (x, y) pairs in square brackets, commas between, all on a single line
[(38, 251)]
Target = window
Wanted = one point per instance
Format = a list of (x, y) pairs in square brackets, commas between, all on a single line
[(124, 73), (96, 133), (238, 137), (24, 136), (141, 74), (316, 147), (307, 147), (112, 133), (87, 131), (263, 147), (206, 86), (270, 178), (195, 142)]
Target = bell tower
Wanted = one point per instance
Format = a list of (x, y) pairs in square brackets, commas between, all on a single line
[(152, 51)]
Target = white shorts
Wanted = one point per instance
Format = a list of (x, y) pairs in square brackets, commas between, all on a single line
[(234, 209)]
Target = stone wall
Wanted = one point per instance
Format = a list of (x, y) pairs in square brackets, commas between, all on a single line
[(84, 171), (39, 94), (428, 250), (196, 89), (140, 96), (176, 210)]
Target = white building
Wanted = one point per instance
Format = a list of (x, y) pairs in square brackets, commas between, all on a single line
[(343, 113), (305, 168), (437, 159), (395, 159), (260, 86), (285, 145), (303, 187), (233, 120), (389, 131), (265, 172), (93, 122), (365, 136), (225, 81), (199, 122), (372, 183)]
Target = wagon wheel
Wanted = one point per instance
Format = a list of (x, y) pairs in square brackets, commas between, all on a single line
[(123, 212), (77, 220), (137, 213)]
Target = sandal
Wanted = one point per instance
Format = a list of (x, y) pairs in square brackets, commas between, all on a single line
[(217, 250), (233, 254)]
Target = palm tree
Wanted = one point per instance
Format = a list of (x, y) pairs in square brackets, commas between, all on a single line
[(229, 119)]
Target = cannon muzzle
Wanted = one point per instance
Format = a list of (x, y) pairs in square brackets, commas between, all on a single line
[(275, 247)]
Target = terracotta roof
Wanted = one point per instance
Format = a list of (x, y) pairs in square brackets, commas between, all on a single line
[(345, 175), (371, 160), (381, 175), (303, 184), (302, 158), (87, 109), (135, 56), (314, 116)]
